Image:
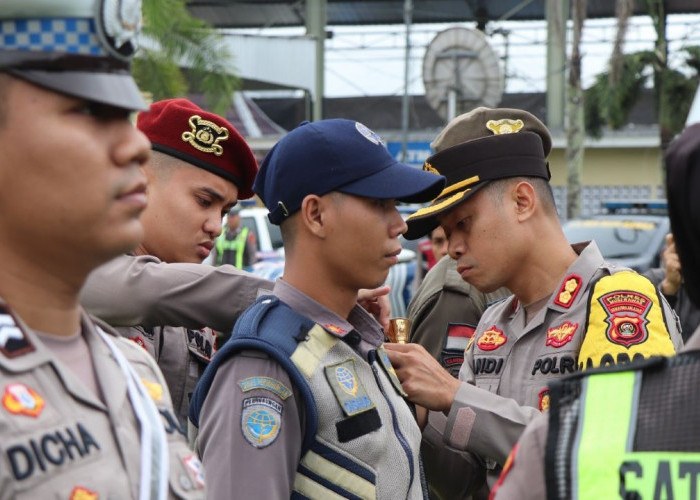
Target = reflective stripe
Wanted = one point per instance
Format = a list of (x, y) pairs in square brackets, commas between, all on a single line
[(312, 489), (338, 475), (308, 354), (609, 413)]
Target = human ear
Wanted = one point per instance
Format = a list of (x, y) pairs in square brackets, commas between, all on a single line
[(525, 200), (311, 214)]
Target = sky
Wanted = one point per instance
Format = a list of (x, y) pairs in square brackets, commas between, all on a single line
[(369, 60)]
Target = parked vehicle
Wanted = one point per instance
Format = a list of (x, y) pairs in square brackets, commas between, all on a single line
[(631, 234)]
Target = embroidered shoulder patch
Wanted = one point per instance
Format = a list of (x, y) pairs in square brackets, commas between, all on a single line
[(20, 399), (491, 339), (568, 291), (13, 341), (458, 336), (266, 383), (625, 322), (561, 335), (347, 388), (261, 421)]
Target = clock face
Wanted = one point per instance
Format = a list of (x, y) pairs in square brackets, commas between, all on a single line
[(118, 25), (460, 68)]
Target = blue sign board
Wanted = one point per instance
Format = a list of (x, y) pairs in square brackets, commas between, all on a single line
[(416, 152)]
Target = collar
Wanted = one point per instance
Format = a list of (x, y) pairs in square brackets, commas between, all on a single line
[(358, 319)]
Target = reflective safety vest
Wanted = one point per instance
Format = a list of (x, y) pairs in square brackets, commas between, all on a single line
[(236, 245), (626, 434)]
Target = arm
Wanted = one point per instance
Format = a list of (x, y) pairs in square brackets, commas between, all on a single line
[(130, 291), (268, 465)]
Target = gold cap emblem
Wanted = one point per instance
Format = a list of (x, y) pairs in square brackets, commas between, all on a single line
[(205, 135), (429, 168), (504, 126)]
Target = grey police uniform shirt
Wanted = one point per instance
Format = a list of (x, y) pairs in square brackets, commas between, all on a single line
[(508, 366), (270, 467), (445, 311), (143, 289), (524, 477), (59, 440)]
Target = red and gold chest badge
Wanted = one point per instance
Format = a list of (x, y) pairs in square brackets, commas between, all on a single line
[(20, 399), (561, 335), (80, 493), (627, 311), (568, 291), (491, 339), (543, 405)]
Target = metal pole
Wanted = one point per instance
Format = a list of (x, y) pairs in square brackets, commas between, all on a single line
[(407, 16), (316, 28)]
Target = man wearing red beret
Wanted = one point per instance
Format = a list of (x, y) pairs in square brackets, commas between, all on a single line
[(199, 168)]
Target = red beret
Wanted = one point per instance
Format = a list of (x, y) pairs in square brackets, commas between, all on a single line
[(180, 128)]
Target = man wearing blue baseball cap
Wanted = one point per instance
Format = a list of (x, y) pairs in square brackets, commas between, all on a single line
[(303, 398), (81, 411)]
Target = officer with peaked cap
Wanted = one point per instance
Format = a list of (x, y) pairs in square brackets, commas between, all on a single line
[(302, 398), (81, 409), (569, 310), (626, 434)]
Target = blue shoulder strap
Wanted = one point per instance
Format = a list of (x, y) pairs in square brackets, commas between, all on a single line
[(271, 326)]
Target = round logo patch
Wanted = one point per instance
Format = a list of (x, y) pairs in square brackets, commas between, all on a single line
[(368, 134), (118, 25), (261, 420)]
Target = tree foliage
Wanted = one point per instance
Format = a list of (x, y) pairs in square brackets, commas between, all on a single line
[(176, 40)]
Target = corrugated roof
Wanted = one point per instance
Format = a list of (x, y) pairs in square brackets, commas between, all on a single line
[(275, 13)]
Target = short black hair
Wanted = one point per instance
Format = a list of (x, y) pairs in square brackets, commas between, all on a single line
[(496, 189)]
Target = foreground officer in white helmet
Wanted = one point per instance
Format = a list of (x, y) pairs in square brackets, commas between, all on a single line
[(81, 411)]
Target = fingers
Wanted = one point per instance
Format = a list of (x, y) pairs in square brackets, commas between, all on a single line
[(371, 294)]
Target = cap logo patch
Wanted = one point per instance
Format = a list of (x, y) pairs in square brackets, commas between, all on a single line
[(368, 134), (427, 167), (20, 399), (118, 24), (491, 339), (504, 126), (561, 335), (627, 311), (205, 135)]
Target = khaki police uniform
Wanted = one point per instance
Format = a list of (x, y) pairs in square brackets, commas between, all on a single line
[(272, 462), (60, 440), (444, 313), (587, 322), (143, 290)]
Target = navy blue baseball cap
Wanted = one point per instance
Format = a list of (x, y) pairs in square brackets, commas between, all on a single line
[(337, 155)]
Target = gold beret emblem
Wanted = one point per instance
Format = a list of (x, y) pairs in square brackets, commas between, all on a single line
[(205, 135), (504, 126), (429, 168)]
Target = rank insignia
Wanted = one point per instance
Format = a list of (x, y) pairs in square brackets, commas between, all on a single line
[(543, 405), (205, 135), (504, 126), (427, 167), (568, 291), (491, 339), (261, 421), (561, 335), (194, 467), (627, 311), (20, 399), (13, 341), (155, 390), (81, 493), (266, 383), (347, 388), (334, 329)]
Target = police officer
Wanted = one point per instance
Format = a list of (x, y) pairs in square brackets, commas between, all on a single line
[(235, 245), (199, 168), (569, 309), (626, 434), (302, 399), (82, 411)]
